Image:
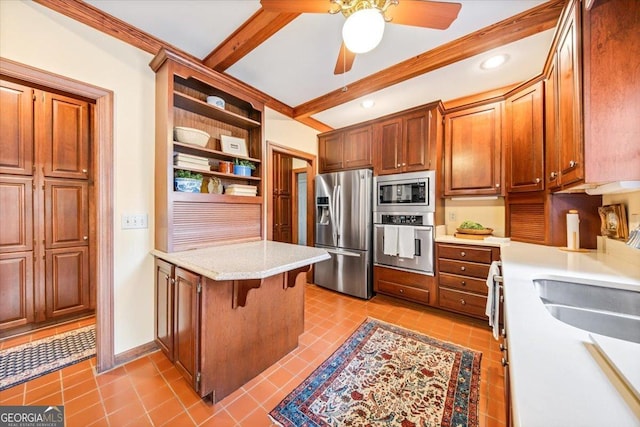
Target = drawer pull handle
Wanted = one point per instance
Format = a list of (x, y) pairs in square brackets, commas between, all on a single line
[(463, 283), (463, 268), (463, 253), (462, 301)]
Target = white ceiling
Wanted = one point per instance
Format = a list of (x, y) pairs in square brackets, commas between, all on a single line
[(296, 64)]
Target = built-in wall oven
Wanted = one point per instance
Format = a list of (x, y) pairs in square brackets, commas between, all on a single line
[(403, 235)]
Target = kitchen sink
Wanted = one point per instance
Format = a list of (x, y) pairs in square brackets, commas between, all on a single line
[(604, 310)]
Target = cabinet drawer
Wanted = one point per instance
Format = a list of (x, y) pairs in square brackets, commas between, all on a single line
[(406, 292), (479, 254), (463, 302), (463, 268), (463, 283)]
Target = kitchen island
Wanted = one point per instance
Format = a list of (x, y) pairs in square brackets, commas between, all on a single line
[(226, 313)]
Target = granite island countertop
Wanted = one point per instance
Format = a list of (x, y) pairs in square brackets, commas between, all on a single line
[(252, 260)]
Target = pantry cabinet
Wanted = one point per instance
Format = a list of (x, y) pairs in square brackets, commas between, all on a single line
[(473, 150), (344, 149), (190, 220)]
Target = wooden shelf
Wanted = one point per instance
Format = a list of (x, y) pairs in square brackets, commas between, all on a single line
[(219, 174), (194, 105), (201, 151), (218, 198)]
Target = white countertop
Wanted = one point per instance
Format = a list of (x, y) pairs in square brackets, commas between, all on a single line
[(481, 242), (253, 260), (557, 375)]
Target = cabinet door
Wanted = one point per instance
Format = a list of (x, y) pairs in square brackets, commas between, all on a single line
[(570, 101), (187, 325), (331, 148), (64, 135), (358, 148), (66, 281), (16, 129), (552, 168), (415, 142), (164, 306), (524, 140), (16, 288), (282, 198), (16, 213), (388, 141), (472, 151), (66, 213)]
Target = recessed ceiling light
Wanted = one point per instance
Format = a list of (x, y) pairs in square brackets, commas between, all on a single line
[(368, 103), (494, 61)]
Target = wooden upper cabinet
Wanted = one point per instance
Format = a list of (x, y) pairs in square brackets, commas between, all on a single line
[(388, 141), (472, 150), (524, 140), (16, 211), (415, 127), (331, 149), (349, 148), (16, 129), (66, 213), (552, 167), (64, 129)]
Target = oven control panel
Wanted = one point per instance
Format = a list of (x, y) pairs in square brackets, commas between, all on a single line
[(402, 219)]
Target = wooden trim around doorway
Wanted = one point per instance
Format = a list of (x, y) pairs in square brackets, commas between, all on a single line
[(103, 156)]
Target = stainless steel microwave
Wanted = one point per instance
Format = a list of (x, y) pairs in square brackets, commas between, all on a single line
[(405, 192)]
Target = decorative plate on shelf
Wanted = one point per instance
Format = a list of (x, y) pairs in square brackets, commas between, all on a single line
[(485, 231)]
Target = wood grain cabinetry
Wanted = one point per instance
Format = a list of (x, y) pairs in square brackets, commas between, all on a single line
[(407, 142), (16, 129), (282, 197), (191, 220), (524, 139), (164, 290), (403, 284), (344, 149), (472, 151), (462, 272)]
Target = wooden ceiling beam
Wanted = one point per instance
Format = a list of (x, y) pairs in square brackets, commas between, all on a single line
[(525, 24), (255, 31)]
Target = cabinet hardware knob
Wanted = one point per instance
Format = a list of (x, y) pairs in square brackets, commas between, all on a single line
[(84, 171), (463, 268), (401, 291), (503, 333), (404, 164), (537, 180), (502, 347), (498, 185), (85, 237), (463, 283), (398, 165), (463, 253), (572, 163), (166, 277), (462, 301), (173, 281), (553, 175), (504, 362)]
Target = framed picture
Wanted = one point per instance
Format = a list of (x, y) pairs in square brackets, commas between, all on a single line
[(233, 145), (613, 221)]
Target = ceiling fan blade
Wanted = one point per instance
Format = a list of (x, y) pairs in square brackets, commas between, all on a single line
[(345, 60), (296, 6), (423, 13)]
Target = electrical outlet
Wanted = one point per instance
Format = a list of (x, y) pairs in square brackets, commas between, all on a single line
[(452, 216), (134, 221)]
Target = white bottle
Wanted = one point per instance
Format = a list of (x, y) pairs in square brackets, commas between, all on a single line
[(573, 230)]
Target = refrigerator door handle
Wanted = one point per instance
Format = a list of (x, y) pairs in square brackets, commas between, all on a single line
[(336, 252), (334, 216), (338, 210)]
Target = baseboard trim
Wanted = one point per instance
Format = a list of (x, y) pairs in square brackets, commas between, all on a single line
[(134, 353)]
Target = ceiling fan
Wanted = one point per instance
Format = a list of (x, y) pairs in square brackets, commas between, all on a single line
[(364, 26)]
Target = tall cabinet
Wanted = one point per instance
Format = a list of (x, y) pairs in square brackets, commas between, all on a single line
[(45, 184)]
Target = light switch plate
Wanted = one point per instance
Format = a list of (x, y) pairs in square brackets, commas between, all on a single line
[(134, 221)]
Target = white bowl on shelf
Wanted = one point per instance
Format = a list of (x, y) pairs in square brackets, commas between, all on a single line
[(215, 101), (190, 136)]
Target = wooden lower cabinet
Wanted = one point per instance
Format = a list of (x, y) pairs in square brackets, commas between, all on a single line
[(163, 325), (403, 284), (186, 317), (16, 288), (66, 281), (462, 274)]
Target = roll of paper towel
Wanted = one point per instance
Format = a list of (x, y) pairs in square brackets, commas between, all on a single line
[(573, 230)]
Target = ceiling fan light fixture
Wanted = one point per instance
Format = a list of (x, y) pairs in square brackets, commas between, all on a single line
[(363, 30)]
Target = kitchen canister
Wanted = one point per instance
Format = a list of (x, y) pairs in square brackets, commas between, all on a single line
[(573, 230)]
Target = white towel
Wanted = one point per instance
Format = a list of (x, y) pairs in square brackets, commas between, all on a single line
[(491, 310), (390, 239), (406, 242)]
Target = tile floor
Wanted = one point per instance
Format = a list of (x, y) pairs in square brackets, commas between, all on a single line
[(150, 392)]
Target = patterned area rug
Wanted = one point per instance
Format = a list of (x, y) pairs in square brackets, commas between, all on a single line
[(32, 360), (384, 375)]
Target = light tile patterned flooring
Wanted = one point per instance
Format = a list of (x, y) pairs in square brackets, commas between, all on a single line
[(149, 391)]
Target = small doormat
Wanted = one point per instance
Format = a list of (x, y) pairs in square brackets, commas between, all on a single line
[(35, 359), (384, 375)]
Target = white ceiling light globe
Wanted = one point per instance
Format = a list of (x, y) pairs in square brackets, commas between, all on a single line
[(362, 31)]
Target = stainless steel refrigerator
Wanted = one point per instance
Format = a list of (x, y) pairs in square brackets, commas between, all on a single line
[(343, 229)]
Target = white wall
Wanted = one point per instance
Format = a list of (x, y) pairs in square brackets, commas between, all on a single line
[(283, 130), (489, 213), (36, 36)]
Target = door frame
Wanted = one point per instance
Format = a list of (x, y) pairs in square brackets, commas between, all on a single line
[(311, 160), (102, 155)]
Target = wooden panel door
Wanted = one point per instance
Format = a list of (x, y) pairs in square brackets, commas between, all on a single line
[(388, 143), (282, 198), (16, 289), (472, 151), (524, 140), (66, 281), (331, 151), (187, 325), (16, 213), (416, 142), (16, 129), (552, 168), (358, 148), (66, 213), (570, 133), (164, 306), (64, 132)]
